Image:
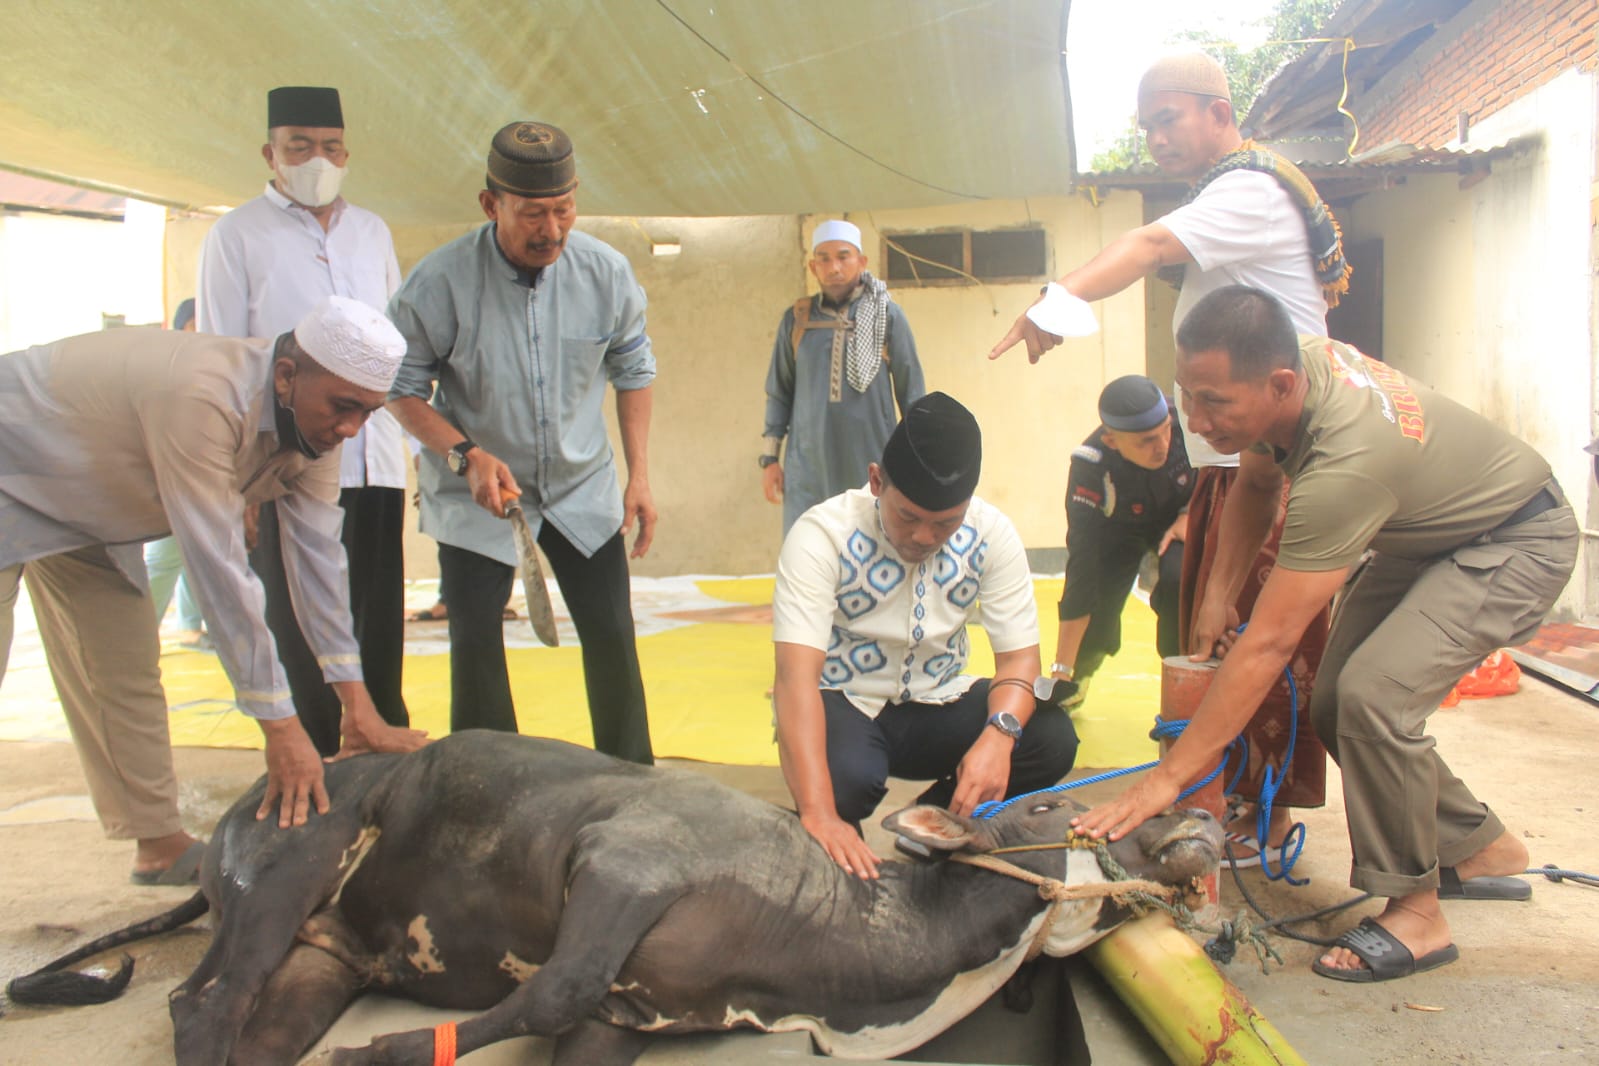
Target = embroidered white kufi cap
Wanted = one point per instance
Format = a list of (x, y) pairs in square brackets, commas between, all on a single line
[(354, 341), (836, 230)]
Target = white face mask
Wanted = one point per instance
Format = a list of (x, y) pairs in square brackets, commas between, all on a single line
[(314, 183)]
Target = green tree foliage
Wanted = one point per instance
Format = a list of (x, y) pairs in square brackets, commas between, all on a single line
[(1248, 70)]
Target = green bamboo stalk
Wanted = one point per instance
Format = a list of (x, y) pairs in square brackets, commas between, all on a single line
[(1192, 1011)]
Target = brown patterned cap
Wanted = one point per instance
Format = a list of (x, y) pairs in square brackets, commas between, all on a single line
[(532, 159)]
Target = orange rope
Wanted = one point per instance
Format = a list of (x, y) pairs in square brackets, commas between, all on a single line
[(444, 1044)]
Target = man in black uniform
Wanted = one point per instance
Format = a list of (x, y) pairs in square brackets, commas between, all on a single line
[(1127, 495)]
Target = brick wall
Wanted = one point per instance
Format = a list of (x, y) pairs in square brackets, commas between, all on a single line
[(1480, 68)]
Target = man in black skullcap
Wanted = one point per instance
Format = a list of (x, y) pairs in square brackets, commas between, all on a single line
[(513, 333), (874, 591), (264, 266), (1127, 495)]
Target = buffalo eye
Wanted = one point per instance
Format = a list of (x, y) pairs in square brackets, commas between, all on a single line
[(1041, 808)]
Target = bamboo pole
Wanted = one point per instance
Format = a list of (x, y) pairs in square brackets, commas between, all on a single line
[(1192, 1011)]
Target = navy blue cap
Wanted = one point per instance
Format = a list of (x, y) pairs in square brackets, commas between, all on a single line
[(1133, 404)]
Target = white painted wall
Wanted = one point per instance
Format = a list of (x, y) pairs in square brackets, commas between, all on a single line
[(1489, 290)]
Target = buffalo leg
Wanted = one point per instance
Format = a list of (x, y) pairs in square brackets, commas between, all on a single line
[(596, 1043), (304, 996), (604, 920)]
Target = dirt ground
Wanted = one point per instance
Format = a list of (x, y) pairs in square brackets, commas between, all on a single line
[(1522, 992)]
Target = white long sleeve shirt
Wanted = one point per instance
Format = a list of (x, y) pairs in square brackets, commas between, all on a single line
[(267, 263)]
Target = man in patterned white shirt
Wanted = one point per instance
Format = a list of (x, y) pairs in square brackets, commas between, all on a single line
[(874, 590)]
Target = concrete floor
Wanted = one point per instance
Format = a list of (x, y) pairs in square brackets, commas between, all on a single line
[(1523, 991)]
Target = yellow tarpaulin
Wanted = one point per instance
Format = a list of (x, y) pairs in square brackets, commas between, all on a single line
[(706, 652)]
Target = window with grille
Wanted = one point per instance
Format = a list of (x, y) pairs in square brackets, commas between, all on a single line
[(955, 257)]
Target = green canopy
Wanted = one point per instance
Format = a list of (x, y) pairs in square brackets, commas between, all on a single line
[(676, 107)]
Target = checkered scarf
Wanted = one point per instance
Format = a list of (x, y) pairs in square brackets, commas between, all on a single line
[(865, 358)]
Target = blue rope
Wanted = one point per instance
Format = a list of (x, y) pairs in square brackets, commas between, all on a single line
[(1162, 729), (1271, 783)]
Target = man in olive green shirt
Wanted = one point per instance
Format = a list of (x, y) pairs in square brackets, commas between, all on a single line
[(1471, 543)]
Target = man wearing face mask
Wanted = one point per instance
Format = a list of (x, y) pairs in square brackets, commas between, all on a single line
[(113, 439), (263, 266)]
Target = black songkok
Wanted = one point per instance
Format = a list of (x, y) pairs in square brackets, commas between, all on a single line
[(935, 453), (532, 159), (1132, 403), (304, 105)]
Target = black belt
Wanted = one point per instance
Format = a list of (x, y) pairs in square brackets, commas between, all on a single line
[(1546, 500)]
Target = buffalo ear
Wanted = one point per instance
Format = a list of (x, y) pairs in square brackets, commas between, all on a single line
[(932, 826)]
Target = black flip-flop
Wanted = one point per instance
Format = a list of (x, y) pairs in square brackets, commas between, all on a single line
[(1385, 957), (185, 869), (1450, 886)]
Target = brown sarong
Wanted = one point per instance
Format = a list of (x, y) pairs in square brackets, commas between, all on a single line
[(1267, 731)]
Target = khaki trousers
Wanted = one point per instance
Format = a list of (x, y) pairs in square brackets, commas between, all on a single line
[(100, 639), (1405, 631)]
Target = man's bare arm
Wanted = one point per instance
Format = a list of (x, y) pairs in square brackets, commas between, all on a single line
[(802, 749), (1246, 521), (1287, 603), (1135, 254)]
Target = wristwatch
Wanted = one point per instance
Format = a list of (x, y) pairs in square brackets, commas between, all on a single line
[(455, 458), (1061, 668), (765, 461), (1007, 723)]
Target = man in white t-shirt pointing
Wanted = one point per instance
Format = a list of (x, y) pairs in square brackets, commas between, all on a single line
[(1250, 218)]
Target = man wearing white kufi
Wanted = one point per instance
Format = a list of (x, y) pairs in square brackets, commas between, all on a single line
[(844, 370), (111, 439)]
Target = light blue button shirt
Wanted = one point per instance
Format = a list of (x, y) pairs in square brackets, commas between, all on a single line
[(521, 366)]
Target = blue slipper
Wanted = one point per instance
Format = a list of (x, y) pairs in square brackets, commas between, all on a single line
[(185, 869), (1385, 957)]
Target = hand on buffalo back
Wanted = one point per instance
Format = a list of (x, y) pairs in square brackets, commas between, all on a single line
[(362, 730), (294, 774), (843, 844)]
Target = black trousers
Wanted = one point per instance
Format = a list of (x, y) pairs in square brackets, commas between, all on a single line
[(597, 592), (1103, 637), (373, 535), (926, 741)]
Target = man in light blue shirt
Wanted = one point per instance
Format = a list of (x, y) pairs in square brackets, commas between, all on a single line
[(513, 332)]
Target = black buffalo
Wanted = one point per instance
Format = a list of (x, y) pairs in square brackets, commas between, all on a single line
[(568, 894)]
